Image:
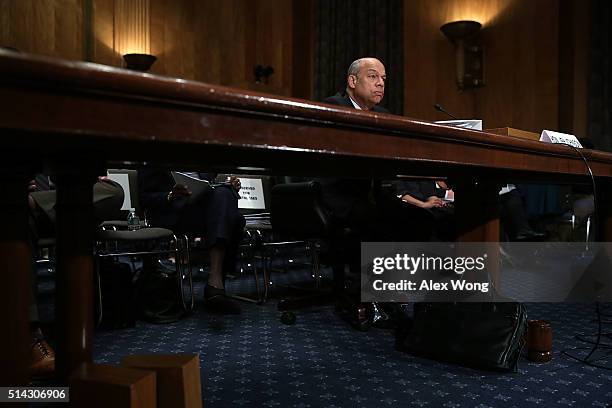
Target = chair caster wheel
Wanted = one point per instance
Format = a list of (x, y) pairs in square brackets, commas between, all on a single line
[(288, 318)]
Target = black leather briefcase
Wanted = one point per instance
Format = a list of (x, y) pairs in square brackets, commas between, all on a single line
[(481, 335)]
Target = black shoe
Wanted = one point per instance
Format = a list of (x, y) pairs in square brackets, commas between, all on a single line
[(391, 315), (217, 301), (358, 315)]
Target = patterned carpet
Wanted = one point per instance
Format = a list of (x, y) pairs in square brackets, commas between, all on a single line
[(253, 360)]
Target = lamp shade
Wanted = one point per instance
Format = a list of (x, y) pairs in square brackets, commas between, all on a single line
[(457, 30), (139, 62)]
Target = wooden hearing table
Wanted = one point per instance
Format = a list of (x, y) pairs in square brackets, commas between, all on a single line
[(75, 119)]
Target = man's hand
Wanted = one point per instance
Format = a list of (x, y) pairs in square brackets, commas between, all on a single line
[(179, 190), (32, 186), (433, 202), (235, 182), (442, 184)]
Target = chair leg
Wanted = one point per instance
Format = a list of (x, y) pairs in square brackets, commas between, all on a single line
[(189, 271), (253, 263), (316, 272), (251, 256), (266, 277), (257, 287), (588, 228), (183, 270), (99, 290)]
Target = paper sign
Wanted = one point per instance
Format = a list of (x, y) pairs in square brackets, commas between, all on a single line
[(251, 194), (506, 189), (548, 136), (123, 180), (449, 195)]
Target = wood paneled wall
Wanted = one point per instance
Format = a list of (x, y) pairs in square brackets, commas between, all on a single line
[(212, 41), (218, 42), (522, 63), (575, 27), (522, 46), (49, 27)]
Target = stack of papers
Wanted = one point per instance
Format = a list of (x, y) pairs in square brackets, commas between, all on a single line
[(474, 124)]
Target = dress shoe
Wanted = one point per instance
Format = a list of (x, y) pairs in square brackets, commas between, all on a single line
[(217, 301), (357, 314), (42, 360)]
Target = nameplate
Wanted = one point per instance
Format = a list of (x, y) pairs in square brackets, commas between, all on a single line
[(549, 136)]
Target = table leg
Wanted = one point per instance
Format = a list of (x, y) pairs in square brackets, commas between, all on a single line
[(477, 217), (15, 267), (604, 211), (74, 298)]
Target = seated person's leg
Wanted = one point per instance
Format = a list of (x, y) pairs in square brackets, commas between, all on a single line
[(428, 195), (42, 356), (399, 221), (389, 220), (107, 200), (232, 248), (217, 216), (514, 218)]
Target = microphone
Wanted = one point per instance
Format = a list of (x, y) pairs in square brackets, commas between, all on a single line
[(441, 109)]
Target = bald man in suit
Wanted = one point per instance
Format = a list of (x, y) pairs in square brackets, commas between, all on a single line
[(359, 203)]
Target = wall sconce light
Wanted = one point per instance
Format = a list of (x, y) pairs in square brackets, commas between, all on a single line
[(139, 62), (133, 33), (469, 53)]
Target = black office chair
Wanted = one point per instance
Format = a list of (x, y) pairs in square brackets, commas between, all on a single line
[(298, 215), (46, 253), (583, 210), (114, 239), (298, 218), (254, 205)]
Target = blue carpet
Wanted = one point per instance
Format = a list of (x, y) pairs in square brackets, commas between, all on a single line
[(254, 360)]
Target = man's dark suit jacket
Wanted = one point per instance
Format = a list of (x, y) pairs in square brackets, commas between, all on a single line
[(341, 195), (153, 188), (344, 100)]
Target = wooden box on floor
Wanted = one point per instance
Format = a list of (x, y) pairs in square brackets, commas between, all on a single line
[(96, 385), (178, 378)]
